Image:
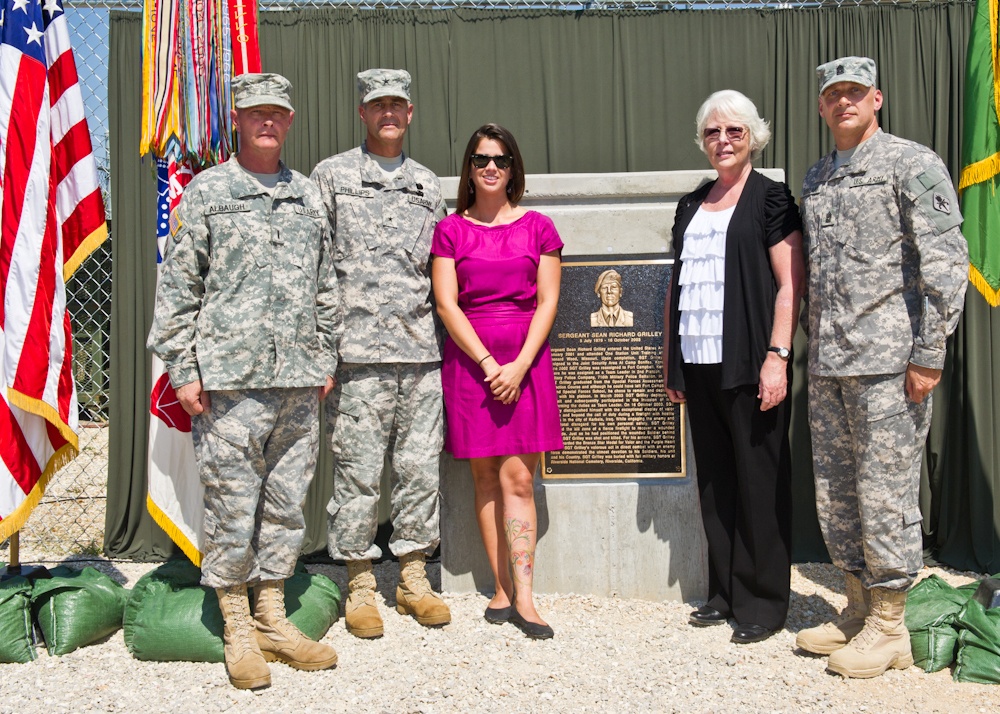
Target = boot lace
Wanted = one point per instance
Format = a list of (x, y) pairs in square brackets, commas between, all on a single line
[(240, 624), (361, 589), (415, 578)]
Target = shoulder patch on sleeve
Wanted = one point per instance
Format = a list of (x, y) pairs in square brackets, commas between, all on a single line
[(176, 226), (935, 198)]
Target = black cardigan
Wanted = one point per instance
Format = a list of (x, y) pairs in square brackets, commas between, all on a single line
[(765, 214)]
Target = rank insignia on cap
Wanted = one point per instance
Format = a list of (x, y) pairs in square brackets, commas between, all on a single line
[(942, 204), (840, 69)]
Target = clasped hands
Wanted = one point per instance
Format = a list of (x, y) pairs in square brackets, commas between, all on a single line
[(504, 380)]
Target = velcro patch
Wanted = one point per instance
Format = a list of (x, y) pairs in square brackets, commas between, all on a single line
[(175, 223), (941, 203), (215, 208), (869, 180), (930, 178), (351, 191), (306, 211)]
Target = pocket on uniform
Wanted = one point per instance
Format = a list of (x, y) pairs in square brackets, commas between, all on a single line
[(912, 515), (232, 432), (886, 397)]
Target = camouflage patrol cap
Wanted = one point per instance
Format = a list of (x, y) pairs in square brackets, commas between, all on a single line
[(375, 83), (860, 70), (254, 90)]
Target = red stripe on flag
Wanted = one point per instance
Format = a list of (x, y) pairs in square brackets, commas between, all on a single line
[(14, 451), (34, 364), (88, 214), (64, 395), (75, 145), (20, 148), (62, 76)]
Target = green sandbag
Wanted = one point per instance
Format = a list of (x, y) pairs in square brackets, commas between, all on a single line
[(15, 621), (931, 608), (74, 608), (312, 602), (170, 617), (978, 658)]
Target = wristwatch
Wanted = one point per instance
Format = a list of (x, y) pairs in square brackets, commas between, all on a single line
[(782, 352)]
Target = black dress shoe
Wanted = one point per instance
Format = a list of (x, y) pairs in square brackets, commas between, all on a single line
[(705, 616), (534, 630), (745, 634), (497, 615)]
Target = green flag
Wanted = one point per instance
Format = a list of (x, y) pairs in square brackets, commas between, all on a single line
[(980, 177)]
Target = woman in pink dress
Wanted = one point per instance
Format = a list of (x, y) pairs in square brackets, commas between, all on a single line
[(496, 273)]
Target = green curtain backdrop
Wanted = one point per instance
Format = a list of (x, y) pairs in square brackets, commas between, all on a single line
[(587, 92)]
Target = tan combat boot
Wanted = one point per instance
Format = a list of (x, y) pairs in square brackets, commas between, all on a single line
[(279, 639), (831, 636), (883, 643), (244, 662), (414, 595), (360, 613)]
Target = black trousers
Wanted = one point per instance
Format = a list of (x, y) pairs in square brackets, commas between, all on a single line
[(744, 482)]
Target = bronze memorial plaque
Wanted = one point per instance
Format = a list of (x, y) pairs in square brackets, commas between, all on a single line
[(607, 345)]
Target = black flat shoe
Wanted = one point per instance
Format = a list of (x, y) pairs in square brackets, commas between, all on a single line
[(534, 630), (497, 615), (705, 616), (745, 634)]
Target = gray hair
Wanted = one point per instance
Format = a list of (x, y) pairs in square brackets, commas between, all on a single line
[(730, 104)]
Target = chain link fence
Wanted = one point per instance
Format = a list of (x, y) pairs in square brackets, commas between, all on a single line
[(69, 520)]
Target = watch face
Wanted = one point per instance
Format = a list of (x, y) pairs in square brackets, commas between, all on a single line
[(782, 352)]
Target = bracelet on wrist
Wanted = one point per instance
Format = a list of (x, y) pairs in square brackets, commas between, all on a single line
[(480, 362)]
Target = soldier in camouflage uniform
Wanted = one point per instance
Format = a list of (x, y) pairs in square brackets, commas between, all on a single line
[(887, 268), (383, 207), (246, 322)]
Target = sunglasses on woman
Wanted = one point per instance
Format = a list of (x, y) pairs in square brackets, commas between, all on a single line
[(733, 133), (481, 161)]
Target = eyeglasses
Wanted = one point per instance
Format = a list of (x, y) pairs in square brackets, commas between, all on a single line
[(481, 161), (733, 133)]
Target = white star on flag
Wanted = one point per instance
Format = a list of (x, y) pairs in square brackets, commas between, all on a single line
[(34, 34)]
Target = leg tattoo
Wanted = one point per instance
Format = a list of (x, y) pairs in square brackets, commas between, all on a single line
[(521, 544)]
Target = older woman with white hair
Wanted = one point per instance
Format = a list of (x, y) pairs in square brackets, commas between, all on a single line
[(731, 312)]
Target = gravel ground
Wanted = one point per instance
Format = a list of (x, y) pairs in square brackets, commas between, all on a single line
[(608, 655)]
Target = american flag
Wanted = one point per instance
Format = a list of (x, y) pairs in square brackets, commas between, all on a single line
[(52, 219)]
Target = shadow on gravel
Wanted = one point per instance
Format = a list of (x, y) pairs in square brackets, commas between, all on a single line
[(807, 611)]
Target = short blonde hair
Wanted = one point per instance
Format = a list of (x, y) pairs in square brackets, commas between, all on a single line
[(730, 104)]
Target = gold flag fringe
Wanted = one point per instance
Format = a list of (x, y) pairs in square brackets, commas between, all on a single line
[(13, 523)]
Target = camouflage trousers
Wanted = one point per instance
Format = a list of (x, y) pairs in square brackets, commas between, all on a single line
[(256, 451), (379, 411), (867, 442)]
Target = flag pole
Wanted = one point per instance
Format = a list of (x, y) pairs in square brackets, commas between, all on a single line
[(14, 567)]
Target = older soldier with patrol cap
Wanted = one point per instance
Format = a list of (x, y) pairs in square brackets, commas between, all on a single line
[(887, 266), (246, 320), (383, 207)]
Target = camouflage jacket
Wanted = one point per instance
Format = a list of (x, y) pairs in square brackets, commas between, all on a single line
[(382, 241), (886, 260), (247, 295)]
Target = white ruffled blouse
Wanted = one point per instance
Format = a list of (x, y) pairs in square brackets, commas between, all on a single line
[(702, 279)]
